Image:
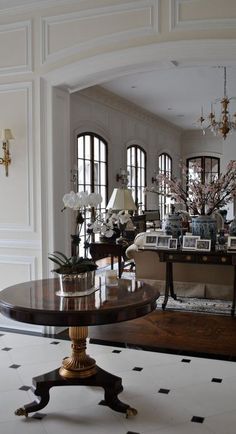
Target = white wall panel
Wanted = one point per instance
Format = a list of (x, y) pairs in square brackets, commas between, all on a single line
[(202, 14), (16, 190), (66, 34), (15, 48), (15, 269)]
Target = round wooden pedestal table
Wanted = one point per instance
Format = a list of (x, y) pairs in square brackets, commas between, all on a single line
[(37, 302)]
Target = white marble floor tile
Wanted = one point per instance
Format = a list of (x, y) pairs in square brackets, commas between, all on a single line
[(222, 423), (10, 379), (23, 426), (10, 401), (188, 391)]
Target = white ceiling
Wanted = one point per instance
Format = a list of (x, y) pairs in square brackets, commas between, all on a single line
[(177, 94)]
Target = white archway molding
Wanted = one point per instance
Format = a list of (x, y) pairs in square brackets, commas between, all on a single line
[(107, 66), (96, 70)]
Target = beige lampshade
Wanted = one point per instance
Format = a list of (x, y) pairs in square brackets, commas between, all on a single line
[(6, 134), (121, 199)]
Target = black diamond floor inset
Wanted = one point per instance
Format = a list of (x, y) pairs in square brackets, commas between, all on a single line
[(116, 351), (14, 366), (132, 432), (186, 360), (166, 391), (197, 419), (39, 416), (137, 368), (216, 380), (54, 343), (6, 349), (25, 388)]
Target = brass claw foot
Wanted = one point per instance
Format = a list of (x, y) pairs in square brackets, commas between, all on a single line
[(131, 412), (21, 412)]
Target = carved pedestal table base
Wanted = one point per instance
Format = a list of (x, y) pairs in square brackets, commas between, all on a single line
[(78, 369)]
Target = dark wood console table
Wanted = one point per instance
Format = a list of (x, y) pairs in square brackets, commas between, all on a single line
[(194, 257), (36, 302), (101, 250)]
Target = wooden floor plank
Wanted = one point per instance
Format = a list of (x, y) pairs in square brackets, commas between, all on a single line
[(179, 332)]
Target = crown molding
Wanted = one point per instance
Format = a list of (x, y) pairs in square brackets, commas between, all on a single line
[(114, 101)]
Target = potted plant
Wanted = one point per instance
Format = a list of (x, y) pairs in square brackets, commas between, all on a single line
[(76, 274)]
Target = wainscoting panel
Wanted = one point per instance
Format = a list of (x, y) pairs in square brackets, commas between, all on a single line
[(15, 269), (15, 48)]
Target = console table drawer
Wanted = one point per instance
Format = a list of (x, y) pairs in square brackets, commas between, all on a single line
[(180, 257), (213, 259)]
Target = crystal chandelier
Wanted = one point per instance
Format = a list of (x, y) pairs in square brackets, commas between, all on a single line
[(224, 124)]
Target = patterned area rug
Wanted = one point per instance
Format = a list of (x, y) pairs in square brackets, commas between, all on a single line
[(200, 305)]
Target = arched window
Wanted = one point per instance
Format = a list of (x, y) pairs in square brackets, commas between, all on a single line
[(164, 168), (207, 168), (136, 166), (92, 171)]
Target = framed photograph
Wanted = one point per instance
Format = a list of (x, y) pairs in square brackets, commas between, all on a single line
[(204, 245), (172, 243), (150, 240), (163, 241), (232, 243), (189, 242)]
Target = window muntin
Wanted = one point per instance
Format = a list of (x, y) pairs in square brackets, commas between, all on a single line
[(136, 166), (92, 173), (206, 169), (164, 168)]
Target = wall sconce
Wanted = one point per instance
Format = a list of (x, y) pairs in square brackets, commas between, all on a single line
[(6, 135)]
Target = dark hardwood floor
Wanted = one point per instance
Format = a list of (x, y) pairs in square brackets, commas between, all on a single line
[(204, 335)]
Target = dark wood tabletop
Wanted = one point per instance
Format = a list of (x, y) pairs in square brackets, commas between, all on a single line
[(36, 302)]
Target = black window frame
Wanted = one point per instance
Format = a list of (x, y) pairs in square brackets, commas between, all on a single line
[(137, 189)]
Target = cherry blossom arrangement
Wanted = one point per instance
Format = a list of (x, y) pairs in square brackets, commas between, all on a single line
[(199, 198)]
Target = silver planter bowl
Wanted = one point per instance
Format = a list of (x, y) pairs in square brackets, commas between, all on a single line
[(76, 285)]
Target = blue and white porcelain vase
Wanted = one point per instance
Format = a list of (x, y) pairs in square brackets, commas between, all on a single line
[(232, 228), (206, 227), (173, 225)]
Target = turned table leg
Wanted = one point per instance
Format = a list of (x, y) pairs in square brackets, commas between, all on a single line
[(79, 364)]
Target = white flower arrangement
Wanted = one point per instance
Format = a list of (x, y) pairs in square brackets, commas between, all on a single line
[(80, 200), (106, 223)]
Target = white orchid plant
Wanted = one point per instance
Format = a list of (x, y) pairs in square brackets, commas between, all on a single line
[(78, 202), (105, 224)]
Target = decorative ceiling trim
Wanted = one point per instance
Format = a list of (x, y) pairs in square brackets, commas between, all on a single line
[(26, 27), (114, 11), (39, 4), (176, 24)]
